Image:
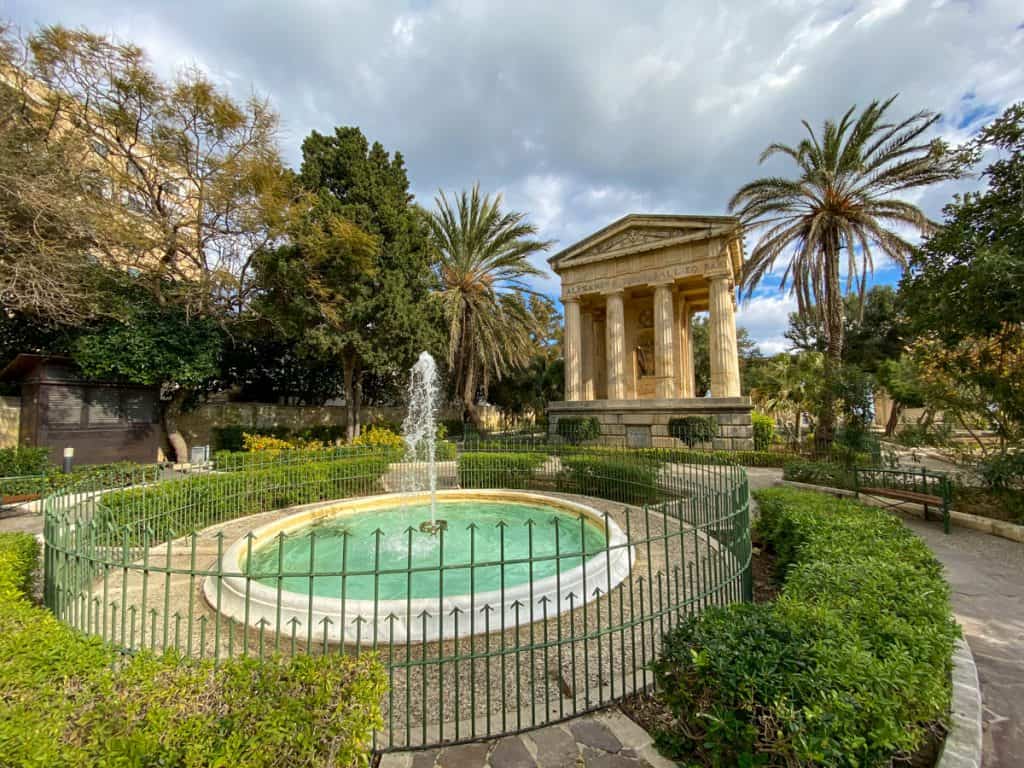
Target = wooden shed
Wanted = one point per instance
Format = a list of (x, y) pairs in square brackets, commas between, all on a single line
[(104, 421)]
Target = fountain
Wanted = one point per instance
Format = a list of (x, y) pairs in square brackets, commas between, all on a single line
[(420, 432), (406, 578)]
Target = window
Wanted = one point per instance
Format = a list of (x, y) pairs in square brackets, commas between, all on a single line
[(104, 407), (64, 406)]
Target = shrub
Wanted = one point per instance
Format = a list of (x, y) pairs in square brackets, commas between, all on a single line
[(819, 473), (918, 435), (232, 436), (251, 442), (381, 437), (850, 665), (764, 430), (22, 461), (444, 450), (693, 430), (630, 478), (173, 508), (578, 429), (498, 470), (452, 427), (1002, 471), (68, 700)]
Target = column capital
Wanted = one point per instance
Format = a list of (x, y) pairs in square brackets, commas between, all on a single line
[(613, 292), (569, 299)]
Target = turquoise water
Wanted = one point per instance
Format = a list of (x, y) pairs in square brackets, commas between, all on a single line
[(397, 550)]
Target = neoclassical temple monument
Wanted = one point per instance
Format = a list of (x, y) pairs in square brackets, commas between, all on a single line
[(630, 292)]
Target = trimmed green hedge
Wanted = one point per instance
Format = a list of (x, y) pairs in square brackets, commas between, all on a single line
[(21, 461), (850, 665), (631, 478), (578, 429), (176, 507), (818, 473), (693, 429), (68, 700), (498, 470)]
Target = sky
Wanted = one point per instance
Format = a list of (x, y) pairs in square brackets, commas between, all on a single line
[(579, 113)]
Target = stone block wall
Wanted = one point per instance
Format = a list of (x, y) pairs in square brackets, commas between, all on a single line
[(644, 423)]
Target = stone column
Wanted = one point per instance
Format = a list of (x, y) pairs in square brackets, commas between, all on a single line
[(600, 359), (587, 354), (725, 365), (687, 385), (615, 346), (573, 374), (664, 359)]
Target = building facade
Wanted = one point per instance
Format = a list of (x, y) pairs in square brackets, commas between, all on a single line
[(630, 292)]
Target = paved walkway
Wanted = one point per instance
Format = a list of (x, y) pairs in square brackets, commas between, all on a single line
[(987, 577), (606, 739)]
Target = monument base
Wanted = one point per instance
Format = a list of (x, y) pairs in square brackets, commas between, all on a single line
[(644, 423)]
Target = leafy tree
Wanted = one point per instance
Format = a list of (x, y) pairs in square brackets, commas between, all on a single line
[(790, 388), (353, 285), (543, 379), (152, 344), (746, 347), (964, 293), (483, 254), (172, 181), (841, 207)]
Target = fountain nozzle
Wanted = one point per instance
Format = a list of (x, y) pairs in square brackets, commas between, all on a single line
[(433, 527)]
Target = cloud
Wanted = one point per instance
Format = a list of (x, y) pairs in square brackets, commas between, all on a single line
[(766, 318), (581, 113)]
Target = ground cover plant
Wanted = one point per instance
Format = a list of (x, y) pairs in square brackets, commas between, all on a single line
[(850, 666), (70, 700)]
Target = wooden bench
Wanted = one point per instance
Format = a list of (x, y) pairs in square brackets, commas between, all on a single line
[(929, 489)]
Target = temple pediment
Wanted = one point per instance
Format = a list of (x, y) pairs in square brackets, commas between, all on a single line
[(638, 233)]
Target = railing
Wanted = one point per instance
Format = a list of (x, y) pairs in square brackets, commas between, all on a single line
[(152, 566), (905, 484)]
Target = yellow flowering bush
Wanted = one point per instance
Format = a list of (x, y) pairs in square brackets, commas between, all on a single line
[(252, 442)]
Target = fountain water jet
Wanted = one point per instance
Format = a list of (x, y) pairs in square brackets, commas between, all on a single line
[(420, 432)]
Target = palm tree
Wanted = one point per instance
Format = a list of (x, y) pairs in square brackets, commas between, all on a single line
[(482, 255), (843, 204)]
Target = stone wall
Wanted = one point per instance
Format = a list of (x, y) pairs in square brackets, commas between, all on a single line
[(10, 419), (643, 423)]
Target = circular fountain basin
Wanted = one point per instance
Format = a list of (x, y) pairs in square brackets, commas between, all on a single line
[(506, 558)]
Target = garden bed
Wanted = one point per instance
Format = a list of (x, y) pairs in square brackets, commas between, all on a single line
[(850, 665)]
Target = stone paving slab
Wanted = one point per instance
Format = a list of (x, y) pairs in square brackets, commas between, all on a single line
[(606, 739)]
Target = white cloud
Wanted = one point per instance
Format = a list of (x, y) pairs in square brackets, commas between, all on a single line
[(582, 113), (766, 318)]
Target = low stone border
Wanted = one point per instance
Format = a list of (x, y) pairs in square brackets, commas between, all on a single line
[(962, 747), (999, 528)]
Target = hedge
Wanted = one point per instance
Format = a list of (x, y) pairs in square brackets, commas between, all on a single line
[(173, 508), (818, 473), (578, 429), (849, 667), (629, 478), (498, 470), (693, 430), (69, 700), (53, 478), (18, 462)]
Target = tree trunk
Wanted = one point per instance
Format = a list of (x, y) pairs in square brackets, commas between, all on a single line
[(824, 432), (170, 419), (357, 402), (893, 420), (349, 372), (469, 398)]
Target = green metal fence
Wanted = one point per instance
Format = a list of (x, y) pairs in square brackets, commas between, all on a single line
[(146, 567)]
